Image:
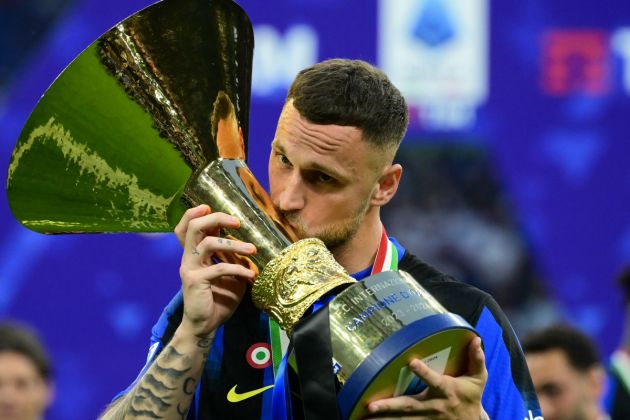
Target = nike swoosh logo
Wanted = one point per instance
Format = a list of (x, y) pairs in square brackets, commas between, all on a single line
[(235, 397)]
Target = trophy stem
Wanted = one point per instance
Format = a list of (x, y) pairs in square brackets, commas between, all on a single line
[(228, 186)]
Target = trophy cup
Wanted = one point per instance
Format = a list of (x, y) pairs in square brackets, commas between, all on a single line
[(369, 331), (115, 138), (132, 132)]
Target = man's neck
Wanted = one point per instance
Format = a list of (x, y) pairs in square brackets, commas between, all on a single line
[(359, 252)]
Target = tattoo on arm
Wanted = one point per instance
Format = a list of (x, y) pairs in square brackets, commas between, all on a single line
[(204, 343), (165, 390)]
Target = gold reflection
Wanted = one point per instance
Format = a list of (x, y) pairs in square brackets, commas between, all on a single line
[(123, 54), (226, 131)]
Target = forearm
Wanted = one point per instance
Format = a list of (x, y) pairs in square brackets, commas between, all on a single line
[(167, 387)]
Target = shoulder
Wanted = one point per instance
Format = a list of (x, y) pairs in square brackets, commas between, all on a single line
[(509, 393), (457, 297)]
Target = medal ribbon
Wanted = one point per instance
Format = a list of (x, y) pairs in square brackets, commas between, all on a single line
[(386, 255)]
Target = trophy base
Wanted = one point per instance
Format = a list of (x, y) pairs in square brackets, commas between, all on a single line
[(440, 340)]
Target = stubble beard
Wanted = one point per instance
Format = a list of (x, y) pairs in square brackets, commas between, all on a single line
[(334, 235)]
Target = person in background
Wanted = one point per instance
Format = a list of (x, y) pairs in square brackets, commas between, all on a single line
[(567, 372), (618, 395), (26, 388)]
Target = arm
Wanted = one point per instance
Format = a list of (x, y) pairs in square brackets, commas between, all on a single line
[(166, 389), (211, 294)]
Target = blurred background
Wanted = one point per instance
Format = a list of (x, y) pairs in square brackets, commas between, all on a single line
[(516, 164)]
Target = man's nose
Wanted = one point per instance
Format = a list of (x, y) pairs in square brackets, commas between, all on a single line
[(291, 197)]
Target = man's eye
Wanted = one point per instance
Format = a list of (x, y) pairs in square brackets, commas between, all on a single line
[(551, 390), (323, 178), (284, 160)]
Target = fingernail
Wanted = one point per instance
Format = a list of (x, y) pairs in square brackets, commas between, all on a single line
[(373, 408)]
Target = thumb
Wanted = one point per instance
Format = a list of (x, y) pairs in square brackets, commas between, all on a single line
[(477, 360)]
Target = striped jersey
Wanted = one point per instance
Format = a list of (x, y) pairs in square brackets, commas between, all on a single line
[(239, 361)]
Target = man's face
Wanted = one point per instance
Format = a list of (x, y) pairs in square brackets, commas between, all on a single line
[(24, 395), (321, 177), (564, 393)]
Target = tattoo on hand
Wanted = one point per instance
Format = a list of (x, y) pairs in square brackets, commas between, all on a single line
[(195, 252), (220, 240)]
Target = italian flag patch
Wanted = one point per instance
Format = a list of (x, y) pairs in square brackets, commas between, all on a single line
[(259, 355)]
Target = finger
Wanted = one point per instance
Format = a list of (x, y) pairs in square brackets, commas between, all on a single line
[(428, 375), (211, 275), (476, 360), (217, 271), (404, 404), (192, 213), (228, 289), (211, 245), (208, 225)]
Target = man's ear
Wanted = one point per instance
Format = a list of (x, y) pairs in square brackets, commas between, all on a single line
[(597, 380), (387, 185)]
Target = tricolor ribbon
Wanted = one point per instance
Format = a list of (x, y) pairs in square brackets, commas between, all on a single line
[(620, 363)]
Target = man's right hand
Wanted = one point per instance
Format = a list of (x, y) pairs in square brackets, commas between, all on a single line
[(211, 291)]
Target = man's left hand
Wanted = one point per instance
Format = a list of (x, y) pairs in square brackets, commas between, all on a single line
[(445, 397)]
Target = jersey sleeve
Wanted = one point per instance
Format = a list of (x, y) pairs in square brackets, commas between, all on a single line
[(509, 393), (160, 334)]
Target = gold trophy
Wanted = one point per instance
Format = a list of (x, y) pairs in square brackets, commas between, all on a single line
[(152, 118), (114, 139), (376, 326)]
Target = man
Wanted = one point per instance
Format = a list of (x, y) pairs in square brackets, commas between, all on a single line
[(330, 170), (25, 375), (567, 373)]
